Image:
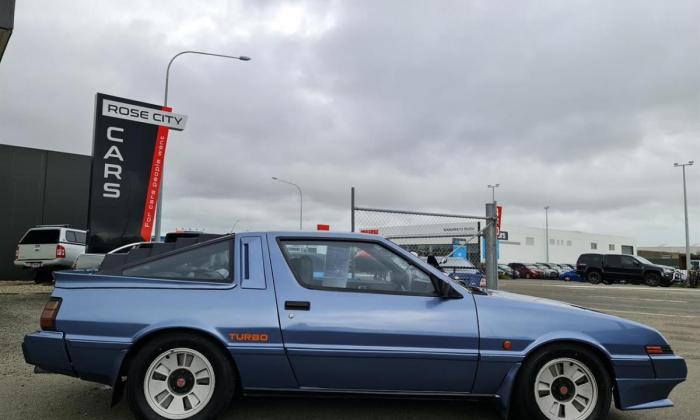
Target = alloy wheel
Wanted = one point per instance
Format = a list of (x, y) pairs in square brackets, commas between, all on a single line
[(179, 383), (565, 389)]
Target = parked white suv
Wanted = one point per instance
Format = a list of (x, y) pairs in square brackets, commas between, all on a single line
[(49, 247)]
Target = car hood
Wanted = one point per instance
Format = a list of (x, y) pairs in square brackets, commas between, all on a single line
[(514, 297), (535, 319)]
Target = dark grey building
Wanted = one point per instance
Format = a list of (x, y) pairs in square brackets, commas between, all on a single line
[(38, 187), (7, 23)]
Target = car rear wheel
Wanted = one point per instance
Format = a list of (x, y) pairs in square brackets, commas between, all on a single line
[(564, 382), (43, 276), (594, 277), (652, 279), (180, 376)]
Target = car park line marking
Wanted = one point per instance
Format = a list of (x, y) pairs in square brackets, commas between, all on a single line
[(641, 313), (591, 287), (632, 298)]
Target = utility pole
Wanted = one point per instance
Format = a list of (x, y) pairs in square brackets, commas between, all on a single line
[(159, 203), (493, 191), (685, 206), (546, 232), (301, 199)]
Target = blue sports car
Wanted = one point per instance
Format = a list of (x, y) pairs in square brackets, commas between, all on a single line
[(570, 275), (463, 271), (180, 327)]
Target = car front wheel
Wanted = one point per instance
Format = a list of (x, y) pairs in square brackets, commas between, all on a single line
[(180, 376), (564, 383), (652, 279)]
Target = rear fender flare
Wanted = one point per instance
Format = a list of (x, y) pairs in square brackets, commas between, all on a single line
[(152, 331)]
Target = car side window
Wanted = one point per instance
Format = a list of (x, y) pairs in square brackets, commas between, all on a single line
[(211, 263), (70, 236), (354, 266), (629, 262), (613, 261)]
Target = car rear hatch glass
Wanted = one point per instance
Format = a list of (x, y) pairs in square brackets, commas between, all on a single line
[(39, 244)]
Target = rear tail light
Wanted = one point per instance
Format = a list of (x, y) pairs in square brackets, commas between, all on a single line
[(48, 315), (658, 350), (17, 253), (60, 251)]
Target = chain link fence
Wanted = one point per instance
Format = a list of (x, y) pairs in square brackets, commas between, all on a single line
[(441, 235)]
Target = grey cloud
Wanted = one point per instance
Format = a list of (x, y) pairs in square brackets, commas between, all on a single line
[(580, 105)]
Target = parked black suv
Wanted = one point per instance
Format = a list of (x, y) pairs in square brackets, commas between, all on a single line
[(609, 268)]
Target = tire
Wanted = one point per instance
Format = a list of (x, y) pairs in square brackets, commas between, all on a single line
[(652, 279), (594, 277), (585, 397), (189, 370), (43, 276)]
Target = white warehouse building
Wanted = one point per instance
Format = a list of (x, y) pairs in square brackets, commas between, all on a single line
[(527, 244), (523, 244)]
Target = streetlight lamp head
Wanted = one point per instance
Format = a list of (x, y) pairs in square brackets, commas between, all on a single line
[(275, 178), (691, 162), (244, 58), (675, 164)]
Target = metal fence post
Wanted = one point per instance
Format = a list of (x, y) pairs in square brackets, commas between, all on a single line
[(352, 209), (490, 240)]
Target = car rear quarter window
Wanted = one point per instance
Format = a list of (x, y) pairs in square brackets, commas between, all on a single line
[(75, 237), (41, 236), (209, 263), (590, 259)]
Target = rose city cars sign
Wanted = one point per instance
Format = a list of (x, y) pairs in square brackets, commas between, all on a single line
[(127, 161)]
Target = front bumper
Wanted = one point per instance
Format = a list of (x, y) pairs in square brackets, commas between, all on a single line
[(47, 350), (637, 393)]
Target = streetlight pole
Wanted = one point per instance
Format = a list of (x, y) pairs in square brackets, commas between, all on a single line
[(546, 232), (493, 191), (301, 206), (685, 206), (159, 204)]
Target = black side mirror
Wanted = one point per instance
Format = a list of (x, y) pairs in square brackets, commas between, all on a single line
[(447, 292)]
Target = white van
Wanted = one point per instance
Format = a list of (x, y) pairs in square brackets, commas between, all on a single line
[(49, 247)]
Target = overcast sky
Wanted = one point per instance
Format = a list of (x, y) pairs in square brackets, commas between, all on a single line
[(580, 105)]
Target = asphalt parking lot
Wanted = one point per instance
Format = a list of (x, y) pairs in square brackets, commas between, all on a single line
[(25, 395)]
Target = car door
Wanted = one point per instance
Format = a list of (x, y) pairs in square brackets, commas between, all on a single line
[(632, 268), (359, 315), (613, 268)]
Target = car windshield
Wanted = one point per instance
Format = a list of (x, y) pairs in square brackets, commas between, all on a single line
[(644, 260), (532, 267), (41, 236)]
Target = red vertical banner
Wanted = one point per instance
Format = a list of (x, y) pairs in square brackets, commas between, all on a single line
[(499, 213), (154, 181)]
